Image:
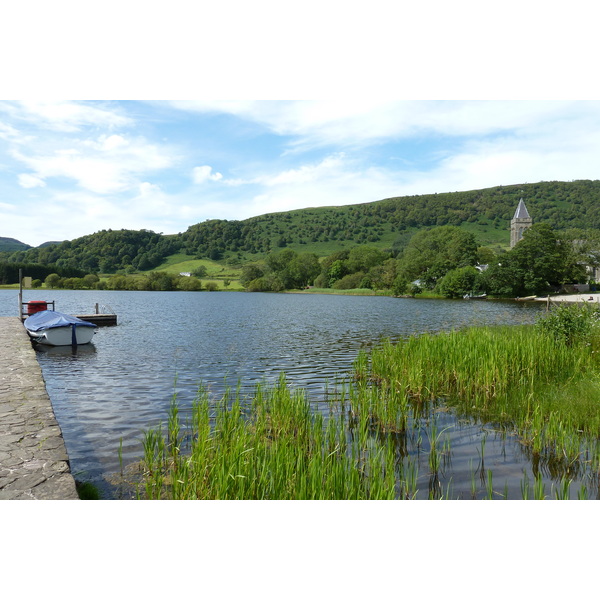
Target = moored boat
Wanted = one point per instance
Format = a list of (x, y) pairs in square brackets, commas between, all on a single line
[(59, 329)]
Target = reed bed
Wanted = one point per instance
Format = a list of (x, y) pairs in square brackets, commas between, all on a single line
[(274, 448), (524, 378), (382, 439)]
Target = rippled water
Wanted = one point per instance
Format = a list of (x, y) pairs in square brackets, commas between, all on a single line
[(123, 383)]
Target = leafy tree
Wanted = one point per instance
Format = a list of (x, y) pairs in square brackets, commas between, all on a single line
[(278, 261), (336, 271), (52, 280), (486, 256), (90, 280), (189, 284), (431, 253), (349, 282), (383, 276), (200, 271), (458, 282), (543, 260), (302, 270), (362, 258), (250, 273)]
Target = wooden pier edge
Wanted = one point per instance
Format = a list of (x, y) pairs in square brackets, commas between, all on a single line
[(100, 320)]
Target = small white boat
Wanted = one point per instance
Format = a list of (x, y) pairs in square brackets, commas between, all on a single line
[(58, 329)]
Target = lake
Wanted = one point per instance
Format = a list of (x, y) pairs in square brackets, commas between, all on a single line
[(106, 394)]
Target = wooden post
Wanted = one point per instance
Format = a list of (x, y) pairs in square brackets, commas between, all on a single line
[(97, 309), (21, 294)]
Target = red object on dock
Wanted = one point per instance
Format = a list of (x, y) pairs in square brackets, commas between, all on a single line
[(35, 306)]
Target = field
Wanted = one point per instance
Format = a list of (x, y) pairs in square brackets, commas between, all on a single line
[(221, 274)]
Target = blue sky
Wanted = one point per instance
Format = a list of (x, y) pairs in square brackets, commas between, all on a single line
[(70, 168)]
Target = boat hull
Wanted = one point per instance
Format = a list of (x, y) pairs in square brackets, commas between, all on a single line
[(69, 335), (58, 329)]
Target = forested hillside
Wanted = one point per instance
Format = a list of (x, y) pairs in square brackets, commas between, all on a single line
[(386, 224), (103, 252), (11, 245)]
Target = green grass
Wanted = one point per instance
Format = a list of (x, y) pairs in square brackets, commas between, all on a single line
[(352, 292), (181, 263), (520, 380), (487, 235), (275, 449), (86, 490), (519, 377)]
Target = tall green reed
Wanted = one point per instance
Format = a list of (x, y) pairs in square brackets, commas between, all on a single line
[(270, 447)]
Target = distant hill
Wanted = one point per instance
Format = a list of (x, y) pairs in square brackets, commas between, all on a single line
[(385, 224), (11, 245), (46, 244), (390, 223)]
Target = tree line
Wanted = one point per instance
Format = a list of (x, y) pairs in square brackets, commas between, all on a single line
[(9, 272), (153, 281), (445, 260)]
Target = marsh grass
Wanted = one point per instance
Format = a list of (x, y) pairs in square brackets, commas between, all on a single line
[(274, 447), (522, 377), (381, 438)]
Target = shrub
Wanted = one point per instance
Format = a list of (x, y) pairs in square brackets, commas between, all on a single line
[(571, 323)]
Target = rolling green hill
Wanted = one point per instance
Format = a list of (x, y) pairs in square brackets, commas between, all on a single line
[(385, 224), (11, 245)]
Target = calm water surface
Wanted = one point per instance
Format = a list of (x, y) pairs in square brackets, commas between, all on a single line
[(122, 384)]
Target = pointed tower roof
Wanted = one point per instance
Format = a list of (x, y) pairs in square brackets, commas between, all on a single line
[(521, 212)]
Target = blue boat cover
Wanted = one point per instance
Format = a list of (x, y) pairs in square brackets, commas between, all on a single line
[(48, 319)]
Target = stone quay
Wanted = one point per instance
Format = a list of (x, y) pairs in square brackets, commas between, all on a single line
[(34, 464)]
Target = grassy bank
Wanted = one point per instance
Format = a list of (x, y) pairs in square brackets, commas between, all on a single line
[(382, 437), (352, 292)]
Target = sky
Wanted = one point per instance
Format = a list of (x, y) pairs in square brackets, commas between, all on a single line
[(69, 168)]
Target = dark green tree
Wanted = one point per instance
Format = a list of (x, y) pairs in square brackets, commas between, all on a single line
[(543, 260), (458, 282), (431, 253)]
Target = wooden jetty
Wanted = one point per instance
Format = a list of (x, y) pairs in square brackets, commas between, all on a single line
[(97, 318), (27, 308)]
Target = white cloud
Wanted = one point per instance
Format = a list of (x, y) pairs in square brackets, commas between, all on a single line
[(104, 165), (112, 142), (204, 173), (8, 132), (356, 121), (330, 166), (66, 116), (26, 180)]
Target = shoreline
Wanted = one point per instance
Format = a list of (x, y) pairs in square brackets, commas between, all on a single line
[(591, 298)]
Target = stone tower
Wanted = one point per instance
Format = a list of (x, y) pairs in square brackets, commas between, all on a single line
[(519, 224)]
